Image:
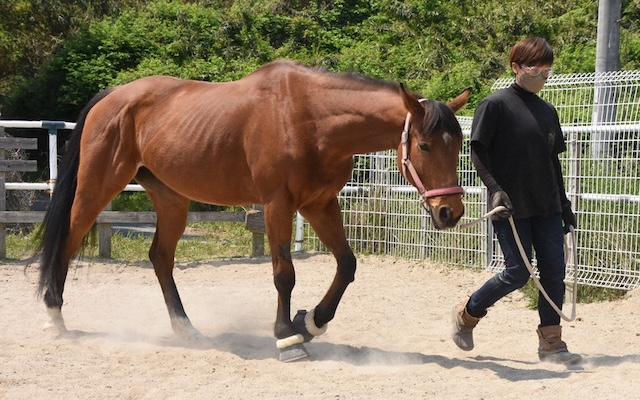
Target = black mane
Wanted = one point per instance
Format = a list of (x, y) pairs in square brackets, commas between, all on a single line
[(438, 116)]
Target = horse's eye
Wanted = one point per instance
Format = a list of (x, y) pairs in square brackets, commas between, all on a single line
[(424, 147)]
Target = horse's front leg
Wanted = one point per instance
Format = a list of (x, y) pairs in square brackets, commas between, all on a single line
[(326, 221), (278, 223)]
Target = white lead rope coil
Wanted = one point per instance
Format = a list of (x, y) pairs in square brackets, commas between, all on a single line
[(523, 254)]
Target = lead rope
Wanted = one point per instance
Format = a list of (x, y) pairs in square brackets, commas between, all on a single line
[(523, 254)]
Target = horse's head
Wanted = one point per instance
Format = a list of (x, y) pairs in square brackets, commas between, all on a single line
[(428, 155)]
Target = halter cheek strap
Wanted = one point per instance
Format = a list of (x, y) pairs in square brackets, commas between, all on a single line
[(407, 166)]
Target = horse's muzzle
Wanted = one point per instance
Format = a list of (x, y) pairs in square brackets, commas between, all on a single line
[(444, 216)]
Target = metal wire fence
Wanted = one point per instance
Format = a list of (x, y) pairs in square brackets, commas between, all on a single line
[(600, 117)]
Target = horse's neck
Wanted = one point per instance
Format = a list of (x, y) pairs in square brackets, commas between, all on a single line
[(373, 123)]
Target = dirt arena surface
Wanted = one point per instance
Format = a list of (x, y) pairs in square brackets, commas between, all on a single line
[(389, 340)]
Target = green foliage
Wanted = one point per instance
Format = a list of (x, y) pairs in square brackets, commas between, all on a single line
[(132, 201), (435, 47), (21, 245)]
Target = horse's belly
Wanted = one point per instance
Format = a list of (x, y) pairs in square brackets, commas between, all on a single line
[(214, 189)]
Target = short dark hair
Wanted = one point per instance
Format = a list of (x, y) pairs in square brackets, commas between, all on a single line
[(531, 51)]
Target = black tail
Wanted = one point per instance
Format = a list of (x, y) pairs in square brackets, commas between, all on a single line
[(54, 231)]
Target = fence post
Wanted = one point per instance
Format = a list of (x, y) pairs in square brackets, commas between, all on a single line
[(573, 184), (104, 237), (52, 128), (3, 207), (254, 222), (573, 178)]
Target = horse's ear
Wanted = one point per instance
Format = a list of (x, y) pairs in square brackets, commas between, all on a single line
[(412, 102), (460, 100)]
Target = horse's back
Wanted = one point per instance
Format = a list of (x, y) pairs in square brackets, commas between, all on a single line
[(172, 99), (209, 141), (238, 142)]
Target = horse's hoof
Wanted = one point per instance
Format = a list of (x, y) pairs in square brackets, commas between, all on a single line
[(54, 330), (55, 324), (300, 326), (191, 334), (183, 328), (293, 353)]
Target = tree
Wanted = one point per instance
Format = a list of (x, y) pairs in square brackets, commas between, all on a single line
[(435, 47)]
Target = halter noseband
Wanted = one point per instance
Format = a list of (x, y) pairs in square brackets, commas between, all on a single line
[(407, 165)]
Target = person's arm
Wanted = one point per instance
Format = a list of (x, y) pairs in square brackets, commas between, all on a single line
[(497, 196), (480, 159)]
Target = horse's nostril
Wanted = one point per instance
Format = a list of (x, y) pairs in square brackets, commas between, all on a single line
[(445, 213)]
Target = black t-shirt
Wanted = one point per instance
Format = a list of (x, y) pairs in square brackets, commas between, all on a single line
[(522, 136)]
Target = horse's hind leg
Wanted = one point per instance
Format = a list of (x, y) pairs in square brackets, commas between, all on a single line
[(91, 196), (171, 209)]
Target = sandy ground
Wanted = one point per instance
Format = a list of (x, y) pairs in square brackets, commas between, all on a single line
[(389, 340)]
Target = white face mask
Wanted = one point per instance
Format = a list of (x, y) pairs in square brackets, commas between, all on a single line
[(533, 84), (531, 79)]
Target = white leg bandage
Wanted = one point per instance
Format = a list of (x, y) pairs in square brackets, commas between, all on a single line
[(289, 341), (310, 324)]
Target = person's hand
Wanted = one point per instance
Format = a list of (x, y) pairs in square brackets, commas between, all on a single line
[(568, 218), (501, 198)]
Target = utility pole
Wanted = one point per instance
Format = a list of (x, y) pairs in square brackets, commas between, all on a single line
[(608, 44), (607, 60)]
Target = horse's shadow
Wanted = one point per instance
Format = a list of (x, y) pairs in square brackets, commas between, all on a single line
[(258, 347)]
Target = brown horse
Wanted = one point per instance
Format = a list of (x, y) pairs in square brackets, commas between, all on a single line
[(283, 136)]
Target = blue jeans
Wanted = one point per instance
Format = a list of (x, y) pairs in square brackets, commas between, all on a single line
[(546, 237)]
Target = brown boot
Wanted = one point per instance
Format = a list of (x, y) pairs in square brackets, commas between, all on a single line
[(463, 324), (552, 348)]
